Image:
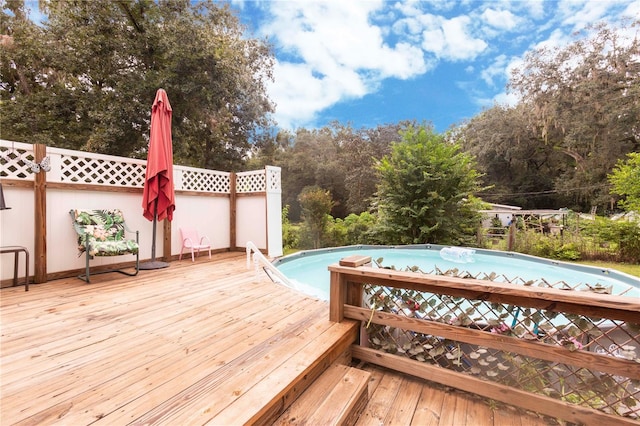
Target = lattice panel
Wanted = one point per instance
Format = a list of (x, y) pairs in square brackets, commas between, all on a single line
[(251, 182), (205, 181), (274, 179), (14, 165), (612, 393), (101, 172), (492, 276)]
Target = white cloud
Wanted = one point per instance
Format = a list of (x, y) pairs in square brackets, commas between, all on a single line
[(330, 51), (299, 94), (496, 70), (343, 53), (450, 38), (501, 19), (580, 14), (506, 99), (556, 38), (632, 10), (534, 8), (330, 34)]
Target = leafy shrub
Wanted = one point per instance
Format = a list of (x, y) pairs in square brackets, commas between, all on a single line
[(625, 235), (290, 233), (316, 204), (567, 252), (336, 233), (629, 238), (359, 228), (352, 230), (543, 247)]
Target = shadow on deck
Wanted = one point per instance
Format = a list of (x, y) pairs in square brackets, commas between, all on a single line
[(196, 343)]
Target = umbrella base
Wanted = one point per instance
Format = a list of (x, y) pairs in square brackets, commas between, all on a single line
[(154, 264)]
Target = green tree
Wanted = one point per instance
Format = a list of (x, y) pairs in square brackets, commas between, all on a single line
[(520, 168), (582, 100), (336, 158), (360, 152), (86, 78), (316, 204), (426, 191), (625, 179)]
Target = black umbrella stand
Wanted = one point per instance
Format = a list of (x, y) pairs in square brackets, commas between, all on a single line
[(153, 263)]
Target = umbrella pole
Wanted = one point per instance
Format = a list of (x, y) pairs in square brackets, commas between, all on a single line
[(154, 264)]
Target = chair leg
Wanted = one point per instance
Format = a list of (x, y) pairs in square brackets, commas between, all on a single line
[(193, 259), (180, 257), (86, 276), (86, 267)]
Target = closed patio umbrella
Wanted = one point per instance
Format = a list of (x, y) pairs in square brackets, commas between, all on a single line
[(158, 199)]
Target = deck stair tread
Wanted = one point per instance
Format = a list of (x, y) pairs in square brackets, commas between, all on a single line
[(337, 397)]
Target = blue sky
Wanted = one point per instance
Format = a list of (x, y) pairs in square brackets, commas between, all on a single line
[(370, 62)]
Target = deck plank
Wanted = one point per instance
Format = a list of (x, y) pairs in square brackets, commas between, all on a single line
[(478, 412), (380, 401), (404, 405), (429, 407)]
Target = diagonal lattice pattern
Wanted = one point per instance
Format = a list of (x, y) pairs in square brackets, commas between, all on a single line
[(98, 171), (609, 393), (251, 182), (541, 282), (207, 181), (15, 163)]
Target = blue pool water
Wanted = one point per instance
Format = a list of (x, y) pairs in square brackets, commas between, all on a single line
[(308, 271)]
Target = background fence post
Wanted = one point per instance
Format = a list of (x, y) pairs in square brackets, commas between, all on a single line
[(40, 203), (512, 236), (232, 214)]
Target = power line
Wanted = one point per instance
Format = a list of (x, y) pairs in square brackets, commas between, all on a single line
[(550, 191)]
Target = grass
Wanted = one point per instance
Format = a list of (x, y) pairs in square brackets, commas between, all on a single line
[(622, 267)]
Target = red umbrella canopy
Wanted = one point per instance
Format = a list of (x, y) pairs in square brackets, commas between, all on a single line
[(158, 185)]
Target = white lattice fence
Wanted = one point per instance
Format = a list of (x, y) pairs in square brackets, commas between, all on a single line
[(191, 179), (274, 179), (16, 160), (77, 167), (254, 181), (101, 170)]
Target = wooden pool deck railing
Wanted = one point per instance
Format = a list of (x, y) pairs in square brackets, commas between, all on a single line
[(542, 340)]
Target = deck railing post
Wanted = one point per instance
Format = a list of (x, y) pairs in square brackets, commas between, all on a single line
[(342, 292), (337, 296)]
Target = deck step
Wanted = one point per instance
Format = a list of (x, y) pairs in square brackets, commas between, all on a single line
[(337, 397)]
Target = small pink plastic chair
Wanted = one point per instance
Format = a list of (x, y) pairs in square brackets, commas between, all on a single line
[(192, 241)]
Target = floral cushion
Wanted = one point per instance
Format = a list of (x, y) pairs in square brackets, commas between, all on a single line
[(105, 230)]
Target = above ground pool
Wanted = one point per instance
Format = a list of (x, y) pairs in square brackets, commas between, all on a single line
[(307, 271)]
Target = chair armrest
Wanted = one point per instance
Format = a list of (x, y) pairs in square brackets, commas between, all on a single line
[(205, 238), (130, 231), (127, 229)]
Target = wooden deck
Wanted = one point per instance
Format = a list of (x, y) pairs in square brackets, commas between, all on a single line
[(208, 342)]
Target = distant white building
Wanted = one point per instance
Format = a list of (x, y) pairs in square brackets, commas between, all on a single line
[(501, 211)]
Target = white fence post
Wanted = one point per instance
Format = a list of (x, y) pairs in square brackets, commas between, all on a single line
[(274, 211)]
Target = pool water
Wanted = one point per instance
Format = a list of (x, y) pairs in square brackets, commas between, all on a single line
[(308, 271)]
